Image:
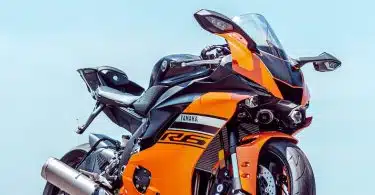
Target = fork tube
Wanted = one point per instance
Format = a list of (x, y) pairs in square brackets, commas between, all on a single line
[(197, 181), (233, 137)]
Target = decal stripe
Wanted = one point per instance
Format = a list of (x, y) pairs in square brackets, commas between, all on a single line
[(161, 142), (200, 120), (197, 127), (189, 130), (190, 113)]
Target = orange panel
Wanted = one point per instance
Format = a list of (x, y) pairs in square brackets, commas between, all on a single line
[(217, 104), (248, 64), (172, 164), (248, 154)]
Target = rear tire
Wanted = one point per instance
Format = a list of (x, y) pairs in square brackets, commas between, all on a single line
[(295, 166), (72, 158)]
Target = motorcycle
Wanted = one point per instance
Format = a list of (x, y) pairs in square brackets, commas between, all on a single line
[(223, 122)]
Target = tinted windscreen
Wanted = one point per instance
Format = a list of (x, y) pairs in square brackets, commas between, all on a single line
[(273, 54), (257, 27)]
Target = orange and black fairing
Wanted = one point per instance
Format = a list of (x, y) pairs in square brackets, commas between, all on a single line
[(172, 159), (261, 60), (271, 72)]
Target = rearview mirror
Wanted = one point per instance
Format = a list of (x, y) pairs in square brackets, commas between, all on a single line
[(325, 62), (330, 64), (214, 22), (217, 23)]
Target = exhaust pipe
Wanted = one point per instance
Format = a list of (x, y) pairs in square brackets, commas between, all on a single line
[(69, 180)]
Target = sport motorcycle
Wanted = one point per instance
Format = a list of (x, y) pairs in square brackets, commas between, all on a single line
[(223, 122)]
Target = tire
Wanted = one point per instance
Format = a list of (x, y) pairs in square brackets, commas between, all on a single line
[(71, 158), (301, 177)]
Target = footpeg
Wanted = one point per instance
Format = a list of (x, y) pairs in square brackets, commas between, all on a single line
[(97, 178)]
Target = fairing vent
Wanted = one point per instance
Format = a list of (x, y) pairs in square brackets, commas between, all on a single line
[(290, 93), (210, 155)]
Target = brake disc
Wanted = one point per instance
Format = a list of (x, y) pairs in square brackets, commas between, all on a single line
[(266, 181)]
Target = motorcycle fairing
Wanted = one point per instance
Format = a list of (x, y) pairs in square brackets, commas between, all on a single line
[(177, 98), (248, 64), (172, 159), (252, 66)]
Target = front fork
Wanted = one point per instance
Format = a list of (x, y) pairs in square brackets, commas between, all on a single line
[(233, 141)]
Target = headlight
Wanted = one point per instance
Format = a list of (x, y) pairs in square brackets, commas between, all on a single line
[(296, 116), (252, 101)]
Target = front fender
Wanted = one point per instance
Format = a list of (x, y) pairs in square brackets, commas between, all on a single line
[(248, 154)]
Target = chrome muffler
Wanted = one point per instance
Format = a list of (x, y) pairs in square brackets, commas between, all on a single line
[(70, 180)]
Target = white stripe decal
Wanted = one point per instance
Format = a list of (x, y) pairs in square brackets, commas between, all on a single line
[(202, 120), (189, 130)]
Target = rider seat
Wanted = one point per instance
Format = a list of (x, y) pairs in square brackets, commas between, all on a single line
[(114, 96)]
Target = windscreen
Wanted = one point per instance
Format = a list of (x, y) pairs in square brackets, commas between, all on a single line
[(257, 27), (275, 57)]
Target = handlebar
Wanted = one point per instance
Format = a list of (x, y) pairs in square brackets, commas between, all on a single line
[(220, 51)]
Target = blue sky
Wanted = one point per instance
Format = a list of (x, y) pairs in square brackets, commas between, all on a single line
[(42, 43)]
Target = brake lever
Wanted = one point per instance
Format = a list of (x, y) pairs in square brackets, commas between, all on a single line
[(98, 108)]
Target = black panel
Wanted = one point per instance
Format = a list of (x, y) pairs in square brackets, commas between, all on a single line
[(282, 69), (141, 179), (160, 120), (165, 75), (179, 100), (222, 79), (163, 115), (289, 93), (111, 77), (124, 118)]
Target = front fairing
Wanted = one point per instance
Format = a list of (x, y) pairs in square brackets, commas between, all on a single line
[(270, 67), (290, 82)]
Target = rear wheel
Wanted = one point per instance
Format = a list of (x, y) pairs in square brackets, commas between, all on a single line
[(72, 158), (284, 170)]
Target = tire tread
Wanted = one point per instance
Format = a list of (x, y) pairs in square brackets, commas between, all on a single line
[(303, 182)]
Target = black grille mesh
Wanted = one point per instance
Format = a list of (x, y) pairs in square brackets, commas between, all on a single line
[(210, 155)]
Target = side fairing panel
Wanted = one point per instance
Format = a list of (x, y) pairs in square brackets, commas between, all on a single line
[(172, 159)]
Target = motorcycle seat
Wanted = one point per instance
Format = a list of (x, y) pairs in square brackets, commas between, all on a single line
[(112, 96)]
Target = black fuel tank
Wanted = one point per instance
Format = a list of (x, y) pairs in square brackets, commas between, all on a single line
[(162, 74)]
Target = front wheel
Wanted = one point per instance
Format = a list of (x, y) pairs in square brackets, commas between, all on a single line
[(284, 170)]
